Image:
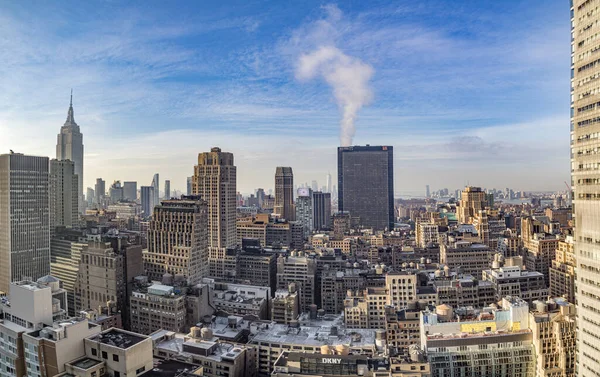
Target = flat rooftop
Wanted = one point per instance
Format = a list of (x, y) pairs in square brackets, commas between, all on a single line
[(119, 338), (85, 363), (170, 368)]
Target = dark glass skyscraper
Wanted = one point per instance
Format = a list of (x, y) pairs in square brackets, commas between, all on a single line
[(366, 184)]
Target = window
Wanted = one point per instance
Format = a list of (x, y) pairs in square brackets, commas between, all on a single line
[(142, 369), (117, 374), (94, 352), (104, 355), (115, 357)]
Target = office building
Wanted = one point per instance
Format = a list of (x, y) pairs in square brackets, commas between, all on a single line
[(366, 309), (285, 306), (24, 218), (304, 210), (147, 200), (63, 194), (215, 181), (100, 190), (47, 351), (500, 336), (156, 306), (106, 273), (156, 185), (553, 328), (90, 197), (118, 353), (69, 146), (116, 192), (65, 253), (472, 200), (328, 188), (218, 358), (130, 191), (284, 193), (178, 240), (366, 184), (467, 257), (300, 270), (426, 233), (167, 189), (240, 299), (513, 281), (125, 210), (309, 335), (562, 272), (271, 232), (321, 210), (300, 364), (29, 307)]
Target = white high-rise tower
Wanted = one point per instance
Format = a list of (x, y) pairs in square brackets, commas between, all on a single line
[(69, 146)]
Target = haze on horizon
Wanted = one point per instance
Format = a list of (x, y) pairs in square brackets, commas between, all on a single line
[(465, 92)]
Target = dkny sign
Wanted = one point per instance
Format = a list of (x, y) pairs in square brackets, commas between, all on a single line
[(331, 360)]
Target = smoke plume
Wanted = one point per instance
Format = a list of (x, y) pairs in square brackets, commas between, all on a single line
[(348, 77)]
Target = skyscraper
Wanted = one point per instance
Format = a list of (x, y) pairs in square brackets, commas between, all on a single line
[(130, 191), (115, 192), (167, 189), (90, 197), (427, 192), (69, 146), (284, 193), (178, 240), (585, 182), (215, 182), (189, 182), (147, 200), (100, 190), (304, 210), (366, 184), (24, 218), (472, 200), (156, 185), (64, 201), (321, 210), (328, 183)]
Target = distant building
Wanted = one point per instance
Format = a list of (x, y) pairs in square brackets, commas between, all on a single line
[(64, 201), (170, 301), (130, 191), (69, 146), (100, 190), (147, 199), (115, 192), (321, 210), (284, 193), (156, 185), (285, 306), (468, 257), (304, 210), (24, 239), (473, 200), (167, 189), (271, 232), (513, 281), (366, 184), (300, 270)]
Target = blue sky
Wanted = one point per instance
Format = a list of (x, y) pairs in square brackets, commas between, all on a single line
[(465, 91)]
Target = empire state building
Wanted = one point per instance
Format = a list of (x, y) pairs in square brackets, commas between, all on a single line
[(69, 146)]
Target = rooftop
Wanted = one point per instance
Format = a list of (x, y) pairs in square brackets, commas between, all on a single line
[(170, 368), (85, 363), (119, 338)]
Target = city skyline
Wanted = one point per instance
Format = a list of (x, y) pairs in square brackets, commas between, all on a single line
[(145, 80)]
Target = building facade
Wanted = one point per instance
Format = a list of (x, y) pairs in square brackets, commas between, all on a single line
[(215, 181), (366, 184), (178, 240), (24, 218), (284, 193), (69, 146), (321, 210), (64, 202)]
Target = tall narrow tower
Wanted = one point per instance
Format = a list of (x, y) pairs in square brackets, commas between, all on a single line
[(284, 193), (215, 181), (585, 178), (69, 146)]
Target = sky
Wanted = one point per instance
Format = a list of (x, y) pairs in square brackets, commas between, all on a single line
[(467, 92)]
